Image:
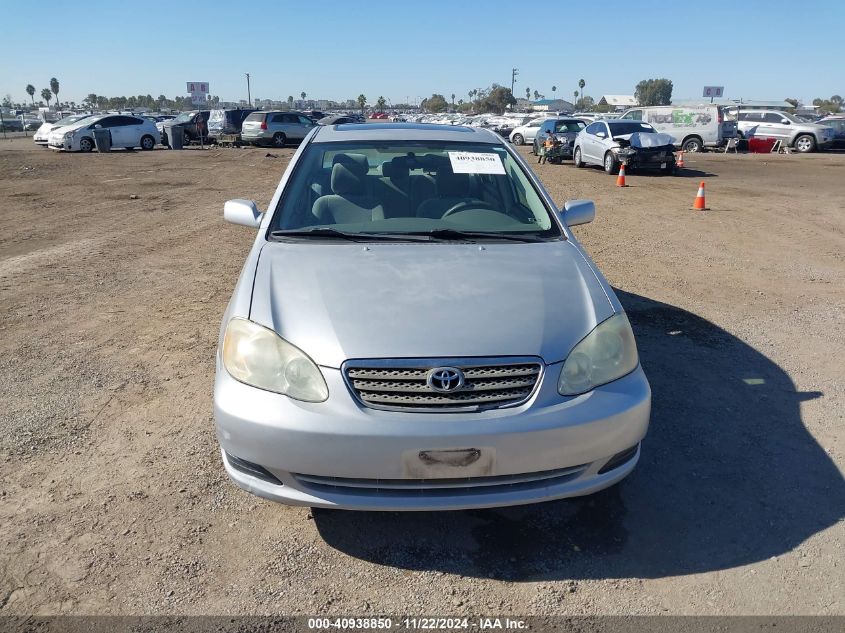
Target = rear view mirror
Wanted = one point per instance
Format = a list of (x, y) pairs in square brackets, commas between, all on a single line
[(243, 212), (579, 212)]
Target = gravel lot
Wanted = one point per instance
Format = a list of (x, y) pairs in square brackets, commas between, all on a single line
[(115, 270)]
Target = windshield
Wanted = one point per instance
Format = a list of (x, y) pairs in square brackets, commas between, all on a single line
[(568, 126), (69, 119), (412, 188), (184, 117), (791, 117), (620, 128)]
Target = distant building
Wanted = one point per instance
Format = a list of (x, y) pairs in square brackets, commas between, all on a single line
[(552, 105), (618, 102)]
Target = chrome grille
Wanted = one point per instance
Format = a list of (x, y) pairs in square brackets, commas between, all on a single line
[(403, 385)]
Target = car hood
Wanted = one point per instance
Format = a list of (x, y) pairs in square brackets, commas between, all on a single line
[(351, 301), (44, 128)]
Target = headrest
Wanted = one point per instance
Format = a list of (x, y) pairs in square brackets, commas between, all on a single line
[(347, 180), (450, 184), (396, 169), (357, 163)]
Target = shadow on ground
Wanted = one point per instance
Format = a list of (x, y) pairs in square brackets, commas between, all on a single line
[(729, 475)]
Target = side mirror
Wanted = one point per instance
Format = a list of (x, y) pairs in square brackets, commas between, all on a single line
[(98, 127), (601, 134), (243, 212), (578, 212), (785, 121)]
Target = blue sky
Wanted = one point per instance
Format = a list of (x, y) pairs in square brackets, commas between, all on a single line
[(336, 50)]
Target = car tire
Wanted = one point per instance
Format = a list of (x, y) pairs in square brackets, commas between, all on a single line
[(693, 145), (610, 165), (804, 143), (186, 139), (279, 140), (518, 139), (576, 158), (86, 145), (147, 142)]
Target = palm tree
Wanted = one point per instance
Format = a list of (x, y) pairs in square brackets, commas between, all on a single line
[(527, 92), (536, 95), (581, 84), (290, 102), (302, 94), (30, 90), (575, 94), (362, 101), (380, 103), (554, 88), (453, 99), (46, 95), (54, 88)]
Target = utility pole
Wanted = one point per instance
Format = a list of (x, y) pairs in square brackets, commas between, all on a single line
[(248, 95), (514, 73)]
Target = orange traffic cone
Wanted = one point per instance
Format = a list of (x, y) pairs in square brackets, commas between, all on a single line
[(680, 162), (699, 204), (620, 179)]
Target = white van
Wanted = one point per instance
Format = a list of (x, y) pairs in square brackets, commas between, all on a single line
[(692, 127)]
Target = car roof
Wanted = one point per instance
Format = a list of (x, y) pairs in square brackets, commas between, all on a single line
[(404, 132)]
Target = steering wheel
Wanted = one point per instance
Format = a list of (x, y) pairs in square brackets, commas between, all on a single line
[(467, 204)]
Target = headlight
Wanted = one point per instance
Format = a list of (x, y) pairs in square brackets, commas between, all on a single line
[(68, 135), (605, 354), (261, 358)]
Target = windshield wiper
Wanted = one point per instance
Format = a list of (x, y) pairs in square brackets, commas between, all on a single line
[(457, 234), (352, 237), (315, 232)]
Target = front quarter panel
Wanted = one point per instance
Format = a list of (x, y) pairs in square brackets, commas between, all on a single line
[(241, 302)]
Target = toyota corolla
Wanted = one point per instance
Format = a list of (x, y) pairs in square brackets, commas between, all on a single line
[(417, 328)]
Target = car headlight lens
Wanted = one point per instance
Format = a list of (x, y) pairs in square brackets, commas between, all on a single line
[(259, 357), (605, 354)]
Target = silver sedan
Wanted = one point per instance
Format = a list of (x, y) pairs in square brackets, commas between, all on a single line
[(417, 328)]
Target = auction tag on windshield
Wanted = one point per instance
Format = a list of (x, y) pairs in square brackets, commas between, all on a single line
[(476, 163)]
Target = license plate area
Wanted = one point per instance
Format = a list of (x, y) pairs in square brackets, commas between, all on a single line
[(448, 463)]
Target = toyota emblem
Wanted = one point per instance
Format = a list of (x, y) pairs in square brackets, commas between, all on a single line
[(445, 379)]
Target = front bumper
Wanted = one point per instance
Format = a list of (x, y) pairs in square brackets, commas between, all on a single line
[(339, 454)]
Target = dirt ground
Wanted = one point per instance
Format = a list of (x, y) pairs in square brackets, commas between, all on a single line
[(115, 270)]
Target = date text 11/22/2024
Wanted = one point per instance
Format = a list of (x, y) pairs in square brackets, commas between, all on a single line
[(416, 623)]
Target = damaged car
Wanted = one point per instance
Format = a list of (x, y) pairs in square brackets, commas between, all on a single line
[(635, 144)]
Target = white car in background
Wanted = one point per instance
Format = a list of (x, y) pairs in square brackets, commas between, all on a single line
[(126, 131), (526, 133), (42, 134)]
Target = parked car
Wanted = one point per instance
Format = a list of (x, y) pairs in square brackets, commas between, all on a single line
[(379, 382), (226, 122), (42, 134), (126, 132), (637, 144), (804, 137), (338, 120), (194, 125), (275, 128), (693, 127), (837, 124), (11, 123), (315, 115), (525, 133), (564, 130)]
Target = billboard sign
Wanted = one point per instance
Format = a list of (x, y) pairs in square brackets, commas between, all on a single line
[(714, 91), (198, 86)]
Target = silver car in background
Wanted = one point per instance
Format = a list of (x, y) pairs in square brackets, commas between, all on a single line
[(417, 328), (787, 128), (275, 128)]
